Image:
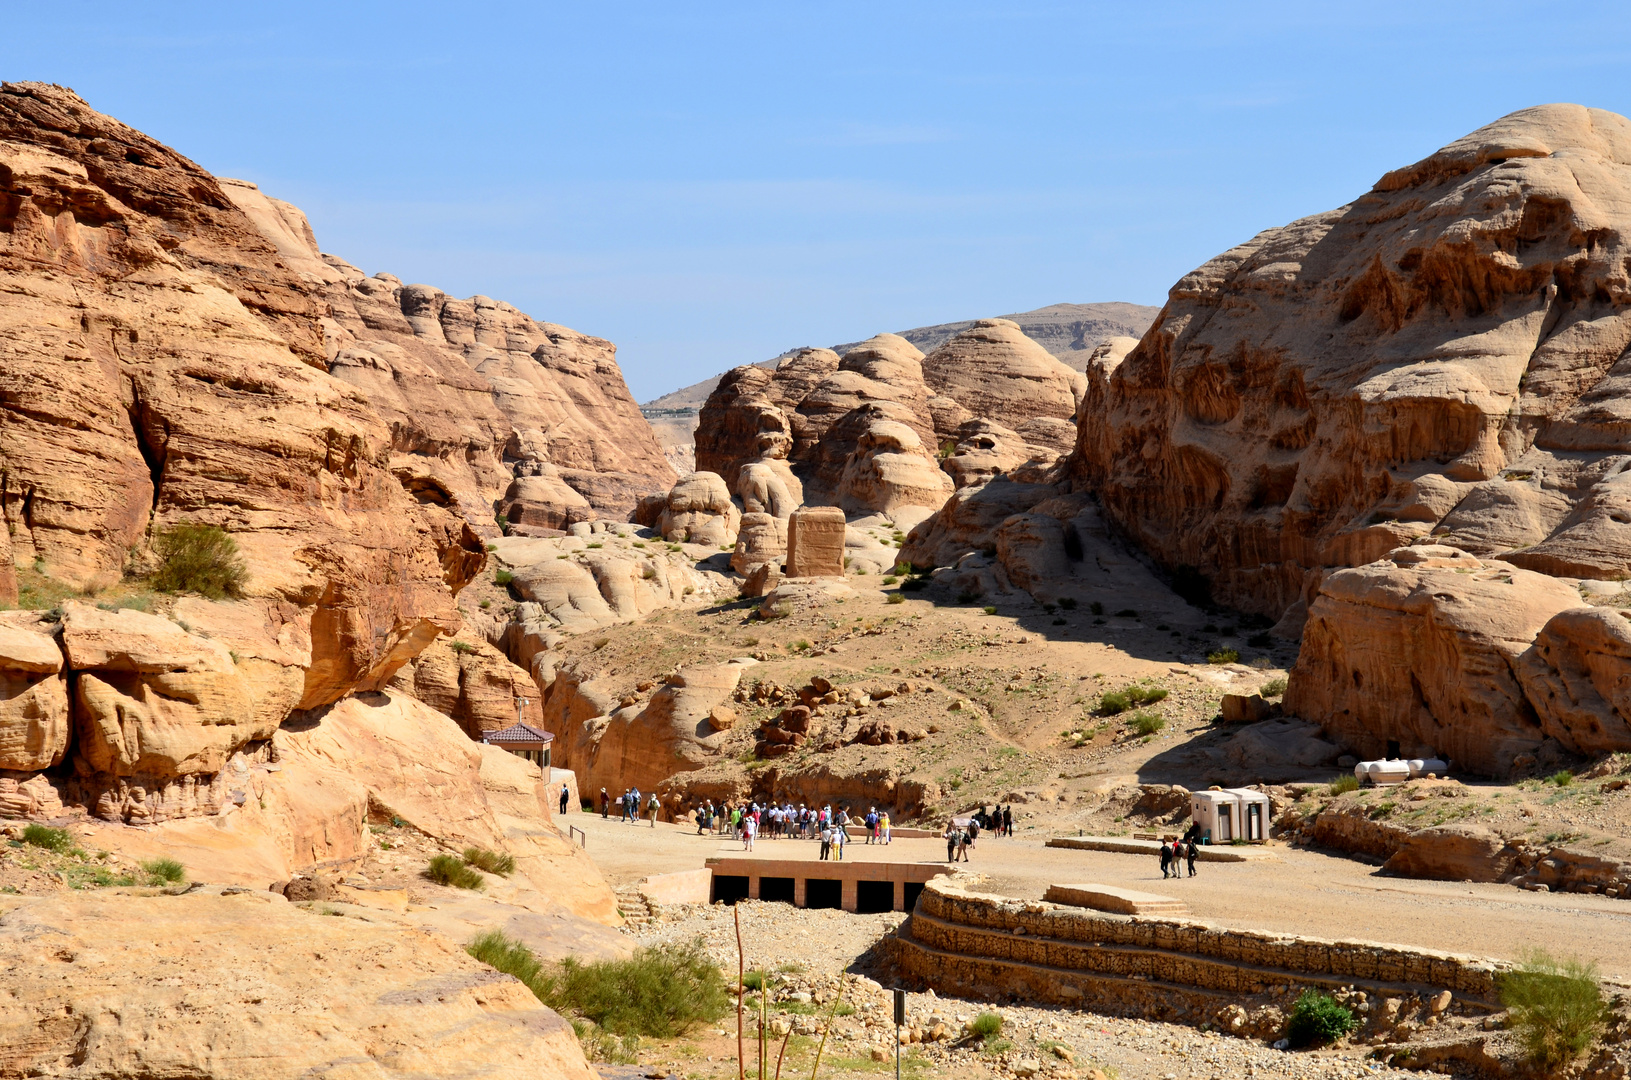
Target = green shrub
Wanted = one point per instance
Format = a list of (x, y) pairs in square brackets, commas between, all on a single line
[(596, 544), (1148, 723), (1114, 704), (508, 955), (1556, 1007), (1344, 784), (462, 646), (164, 871), (753, 980), (1096, 608), (988, 1025), (890, 580), (1223, 656), (990, 609), (1317, 1019), (1273, 688), (1145, 695), (201, 559), (660, 992), (504, 577), (914, 585), (490, 861), (800, 645), (42, 836), (895, 598), (1562, 778), (450, 870)]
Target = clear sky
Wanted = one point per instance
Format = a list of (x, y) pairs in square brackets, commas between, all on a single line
[(709, 184)]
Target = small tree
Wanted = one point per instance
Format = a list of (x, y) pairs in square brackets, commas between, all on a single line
[(201, 559), (1318, 1019), (1556, 1006)]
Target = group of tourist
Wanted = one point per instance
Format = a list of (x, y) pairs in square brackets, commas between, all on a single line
[(1176, 853), (998, 821), (784, 821), (627, 805)]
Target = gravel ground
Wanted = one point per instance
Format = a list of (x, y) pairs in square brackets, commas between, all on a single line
[(823, 943)]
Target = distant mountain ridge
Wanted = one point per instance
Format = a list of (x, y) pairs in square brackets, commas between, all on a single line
[(1068, 331)]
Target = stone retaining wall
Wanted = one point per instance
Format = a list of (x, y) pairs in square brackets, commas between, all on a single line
[(965, 942)]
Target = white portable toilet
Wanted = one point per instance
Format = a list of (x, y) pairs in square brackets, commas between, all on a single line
[(1217, 813), (1251, 815)]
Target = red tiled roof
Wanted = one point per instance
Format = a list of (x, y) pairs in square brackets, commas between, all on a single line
[(517, 733)]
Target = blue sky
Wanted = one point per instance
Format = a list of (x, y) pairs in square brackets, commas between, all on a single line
[(710, 184)]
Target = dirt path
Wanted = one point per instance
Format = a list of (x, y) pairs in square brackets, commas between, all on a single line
[(1301, 892)]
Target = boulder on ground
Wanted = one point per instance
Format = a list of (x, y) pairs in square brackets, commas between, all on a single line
[(542, 499), (1246, 709), (1577, 676), (700, 511), (1420, 649), (1459, 852), (762, 538)]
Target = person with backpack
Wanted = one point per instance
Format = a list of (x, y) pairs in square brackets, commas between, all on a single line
[(1193, 851), (951, 840), (1166, 861)]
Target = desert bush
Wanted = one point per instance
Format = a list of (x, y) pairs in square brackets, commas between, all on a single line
[(660, 992), (895, 598), (164, 871), (988, 1025), (1273, 688), (43, 836), (1148, 723), (201, 559), (1318, 1019), (990, 609), (461, 646), (491, 861), (1114, 703), (1343, 784), (1556, 1007), (502, 577), (1562, 778), (1223, 656), (1145, 695), (451, 870)]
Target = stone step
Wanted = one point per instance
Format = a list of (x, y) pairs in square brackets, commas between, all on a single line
[(1114, 899)]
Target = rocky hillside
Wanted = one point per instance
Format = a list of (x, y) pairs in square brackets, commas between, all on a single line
[(1069, 331), (1436, 363)]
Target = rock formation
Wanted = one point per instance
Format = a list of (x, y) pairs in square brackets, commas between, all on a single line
[(643, 745), (700, 511), (815, 542), (1436, 357), (997, 373), (240, 985)]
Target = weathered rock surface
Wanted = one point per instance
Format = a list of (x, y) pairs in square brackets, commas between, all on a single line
[(815, 542), (996, 372), (475, 684), (242, 984), (643, 745), (34, 719), (1316, 395), (1458, 852), (169, 364), (888, 469), (700, 511), (578, 587), (1421, 649)]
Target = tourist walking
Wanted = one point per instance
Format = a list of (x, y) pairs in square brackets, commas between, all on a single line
[(883, 826), (964, 840), (1166, 861), (826, 841), (563, 798), (652, 807), (1008, 820), (839, 839), (605, 804), (951, 841), (750, 828), (1193, 851)]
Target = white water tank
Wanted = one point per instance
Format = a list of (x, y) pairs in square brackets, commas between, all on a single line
[(1383, 772)]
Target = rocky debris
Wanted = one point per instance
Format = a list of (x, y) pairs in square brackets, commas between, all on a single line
[(815, 542), (700, 511), (237, 983), (882, 732), (1394, 649), (1247, 709)]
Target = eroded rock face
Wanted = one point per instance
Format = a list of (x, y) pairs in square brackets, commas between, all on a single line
[(700, 511), (475, 684), (1577, 676), (676, 731), (245, 985), (1421, 650), (995, 372), (34, 720), (815, 542), (888, 469), (171, 366), (1442, 355)]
